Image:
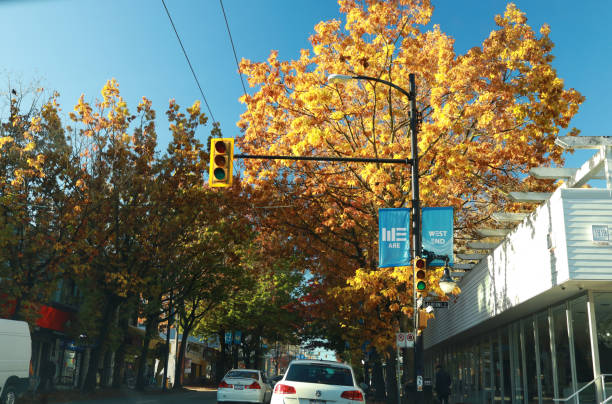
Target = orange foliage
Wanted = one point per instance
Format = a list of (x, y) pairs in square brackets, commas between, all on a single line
[(488, 116)]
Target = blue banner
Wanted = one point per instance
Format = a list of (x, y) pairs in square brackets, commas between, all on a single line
[(393, 240), (437, 225), (228, 337), (237, 337)]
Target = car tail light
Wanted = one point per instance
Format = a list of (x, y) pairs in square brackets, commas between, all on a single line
[(352, 395), (224, 385), (254, 386), (31, 369), (284, 389)]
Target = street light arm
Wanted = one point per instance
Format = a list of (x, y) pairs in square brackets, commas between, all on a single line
[(341, 78), (398, 88)]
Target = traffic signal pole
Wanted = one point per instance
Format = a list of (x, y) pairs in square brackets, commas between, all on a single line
[(416, 236), (416, 205)]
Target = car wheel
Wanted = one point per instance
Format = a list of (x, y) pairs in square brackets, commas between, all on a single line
[(9, 396)]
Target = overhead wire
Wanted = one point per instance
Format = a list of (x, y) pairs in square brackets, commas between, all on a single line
[(229, 33), (233, 47), (189, 62)]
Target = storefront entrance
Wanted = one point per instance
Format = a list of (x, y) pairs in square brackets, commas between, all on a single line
[(545, 357)]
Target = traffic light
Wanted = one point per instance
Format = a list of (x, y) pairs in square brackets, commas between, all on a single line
[(420, 267), (221, 161)]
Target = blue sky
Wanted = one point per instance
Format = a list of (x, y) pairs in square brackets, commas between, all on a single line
[(74, 46)]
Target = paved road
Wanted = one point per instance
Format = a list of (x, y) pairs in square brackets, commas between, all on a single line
[(194, 396)]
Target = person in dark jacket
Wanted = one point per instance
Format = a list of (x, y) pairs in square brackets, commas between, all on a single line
[(443, 384)]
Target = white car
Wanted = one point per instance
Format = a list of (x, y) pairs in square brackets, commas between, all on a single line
[(318, 382), (244, 385)]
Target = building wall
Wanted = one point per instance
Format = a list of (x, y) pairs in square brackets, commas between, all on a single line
[(583, 208), (534, 258)]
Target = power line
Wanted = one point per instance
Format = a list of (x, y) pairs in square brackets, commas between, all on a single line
[(188, 61), (233, 47)]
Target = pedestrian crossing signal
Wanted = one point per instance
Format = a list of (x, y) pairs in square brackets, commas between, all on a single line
[(221, 162)]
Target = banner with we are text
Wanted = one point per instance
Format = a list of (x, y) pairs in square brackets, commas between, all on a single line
[(393, 239), (437, 226)]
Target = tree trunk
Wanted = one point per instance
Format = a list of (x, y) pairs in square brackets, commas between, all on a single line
[(151, 330), (98, 350), (246, 355), (377, 378), (221, 364), (119, 365), (167, 358), (17, 312), (180, 363), (391, 376)]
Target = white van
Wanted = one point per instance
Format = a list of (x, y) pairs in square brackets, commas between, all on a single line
[(15, 355)]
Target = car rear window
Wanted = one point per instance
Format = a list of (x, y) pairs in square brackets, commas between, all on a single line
[(243, 374), (319, 373)]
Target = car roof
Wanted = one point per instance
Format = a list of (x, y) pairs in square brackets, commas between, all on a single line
[(243, 370), (318, 362)]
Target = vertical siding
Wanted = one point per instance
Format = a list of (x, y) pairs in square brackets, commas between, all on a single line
[(529, 261), (584, 208)]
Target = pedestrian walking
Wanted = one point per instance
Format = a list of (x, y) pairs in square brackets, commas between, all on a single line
[(443, 384)]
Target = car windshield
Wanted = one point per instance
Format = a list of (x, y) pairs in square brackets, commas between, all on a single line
[(319, 373), (242, 374)]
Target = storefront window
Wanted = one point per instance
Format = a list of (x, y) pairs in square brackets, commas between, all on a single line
[(582, 347), (487, 369), (516, 363), (497, 367), (507, 373), (603, 315), (546, 375), (564, 373), (530, 361)]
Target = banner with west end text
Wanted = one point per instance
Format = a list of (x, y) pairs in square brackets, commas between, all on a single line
[(437, 226), (393, 239)]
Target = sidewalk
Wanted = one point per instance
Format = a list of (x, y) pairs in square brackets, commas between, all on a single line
[(65, 396)]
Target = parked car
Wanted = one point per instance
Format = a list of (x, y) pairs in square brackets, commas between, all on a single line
[(318, 382), (15, 356), (244, 385)]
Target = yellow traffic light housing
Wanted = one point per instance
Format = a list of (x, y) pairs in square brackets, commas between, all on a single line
[(422, 320), (420, 267), (221, 162)]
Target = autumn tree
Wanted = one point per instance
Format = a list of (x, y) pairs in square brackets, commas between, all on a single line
[(37, 181), (486, 117)]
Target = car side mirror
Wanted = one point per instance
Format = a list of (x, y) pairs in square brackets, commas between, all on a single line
[(363, 387)]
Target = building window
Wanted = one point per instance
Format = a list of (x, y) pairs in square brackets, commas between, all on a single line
[(582, 347), (546, 375), (564, 365), (530, 361), (603, 316)]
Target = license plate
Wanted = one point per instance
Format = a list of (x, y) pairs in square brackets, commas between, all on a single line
[(317, 402), (238, 387)]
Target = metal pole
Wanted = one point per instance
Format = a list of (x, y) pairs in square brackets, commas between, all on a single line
[(416, 234), (323, 158)]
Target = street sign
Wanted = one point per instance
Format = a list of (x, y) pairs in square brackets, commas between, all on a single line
[(401, 340), (437, 305), (404, 339), (419, 383)]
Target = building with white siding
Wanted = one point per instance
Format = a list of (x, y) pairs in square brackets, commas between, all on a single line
[(533, 322)]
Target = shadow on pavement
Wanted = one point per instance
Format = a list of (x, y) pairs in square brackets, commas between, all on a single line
[(75, 396)]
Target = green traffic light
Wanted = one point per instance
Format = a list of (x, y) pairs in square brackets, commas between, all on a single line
[(219, 174), (420, 285)]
